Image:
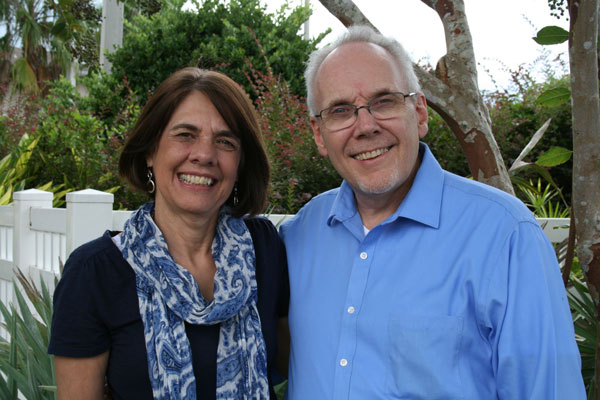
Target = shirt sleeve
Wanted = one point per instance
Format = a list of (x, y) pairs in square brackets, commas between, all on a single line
[(529, 322), (77, 329)]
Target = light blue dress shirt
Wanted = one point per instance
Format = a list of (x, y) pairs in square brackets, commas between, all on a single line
[(457, 295)]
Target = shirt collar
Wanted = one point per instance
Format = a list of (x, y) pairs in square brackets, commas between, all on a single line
[(344, 205), (421, 204)]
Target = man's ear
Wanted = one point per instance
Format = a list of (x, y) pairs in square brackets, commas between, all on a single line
[(422, 116), (316, 128)]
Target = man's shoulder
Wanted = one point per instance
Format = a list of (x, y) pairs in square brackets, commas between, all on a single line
[(316, 210), (474, 194)]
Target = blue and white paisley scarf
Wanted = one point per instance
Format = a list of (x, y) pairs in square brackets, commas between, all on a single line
[(168, 296)]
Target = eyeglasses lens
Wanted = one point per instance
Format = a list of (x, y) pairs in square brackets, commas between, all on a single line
[(381, 108)]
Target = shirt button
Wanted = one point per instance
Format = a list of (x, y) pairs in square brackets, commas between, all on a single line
[(343, 362), (351, 310), (363, 255)]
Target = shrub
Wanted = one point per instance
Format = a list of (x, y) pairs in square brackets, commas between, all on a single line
[(74, 142), (215, 33), (445, 146), (298, 171), (69, 145), (516, 118), (19, 118)]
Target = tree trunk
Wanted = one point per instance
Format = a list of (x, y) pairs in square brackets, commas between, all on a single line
[(583, 60), (453, 92)]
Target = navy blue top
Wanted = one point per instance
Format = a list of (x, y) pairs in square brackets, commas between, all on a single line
[(96, 310)]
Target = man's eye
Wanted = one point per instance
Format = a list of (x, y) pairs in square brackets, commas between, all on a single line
[(340, 110), (384, 101), (184, 134)]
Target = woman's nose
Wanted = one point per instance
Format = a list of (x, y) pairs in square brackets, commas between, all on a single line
[(203, 151)]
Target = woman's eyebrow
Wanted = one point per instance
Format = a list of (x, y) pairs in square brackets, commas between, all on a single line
[(186, 126)]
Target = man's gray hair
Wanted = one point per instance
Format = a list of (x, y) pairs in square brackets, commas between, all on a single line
[(359, 34)]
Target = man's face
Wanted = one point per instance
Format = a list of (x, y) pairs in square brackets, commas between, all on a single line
[(374, 156)]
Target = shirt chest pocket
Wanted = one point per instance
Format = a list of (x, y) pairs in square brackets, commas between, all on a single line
[(424, 355)]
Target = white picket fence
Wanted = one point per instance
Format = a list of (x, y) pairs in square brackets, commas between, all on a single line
[(37, 238)]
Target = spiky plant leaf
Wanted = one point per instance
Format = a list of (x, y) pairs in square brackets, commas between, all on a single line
[(586, 325), (24, 360)]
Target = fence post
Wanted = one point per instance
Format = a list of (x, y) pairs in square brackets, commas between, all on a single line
[(111, 32), (89, 214), (23, 236)]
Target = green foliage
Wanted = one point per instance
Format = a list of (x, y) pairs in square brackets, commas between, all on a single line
[(517, 117), (551, 35), (547, 36), (517, 114), (18, 119), (554, 97), (78, 139), (555, 156), (558, 7), (445, 146), (14, 170), (52, 34), (71, 145), (217, 35), (74, 142), (586, 327), (27, 367), (298, 171), (111, 100), (540, 199), (280, 390)]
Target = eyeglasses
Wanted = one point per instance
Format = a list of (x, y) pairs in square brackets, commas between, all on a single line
[(381, 107)]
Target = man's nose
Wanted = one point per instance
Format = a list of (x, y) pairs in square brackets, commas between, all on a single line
[(365, 121)]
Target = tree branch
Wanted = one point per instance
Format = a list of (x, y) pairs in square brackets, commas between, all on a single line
[(347, 12)]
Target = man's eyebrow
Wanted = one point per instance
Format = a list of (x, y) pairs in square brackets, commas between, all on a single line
[(337, 101), (343, 100)]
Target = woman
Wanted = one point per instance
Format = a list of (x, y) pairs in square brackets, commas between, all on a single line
[(186, 301)]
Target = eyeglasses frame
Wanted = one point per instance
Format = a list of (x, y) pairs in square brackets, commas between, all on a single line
[(366, 106)]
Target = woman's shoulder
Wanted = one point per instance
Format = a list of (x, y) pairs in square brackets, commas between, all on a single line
[(260, 224), (264, 235), (271, 268), (93, 247), (97, 257), (268, 246)]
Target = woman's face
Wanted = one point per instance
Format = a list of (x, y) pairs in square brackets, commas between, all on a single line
[(195, 165)]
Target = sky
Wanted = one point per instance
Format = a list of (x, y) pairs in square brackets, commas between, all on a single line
[(502, 32)]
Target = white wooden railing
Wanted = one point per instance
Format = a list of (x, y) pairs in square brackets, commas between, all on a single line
[(37, 238)]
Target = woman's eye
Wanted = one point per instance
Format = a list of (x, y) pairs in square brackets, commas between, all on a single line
[(228, 143)]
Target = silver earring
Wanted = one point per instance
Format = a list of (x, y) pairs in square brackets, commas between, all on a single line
[(236, 200), (150, 182)]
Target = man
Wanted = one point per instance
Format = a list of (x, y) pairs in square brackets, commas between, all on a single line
[(409, 282)]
